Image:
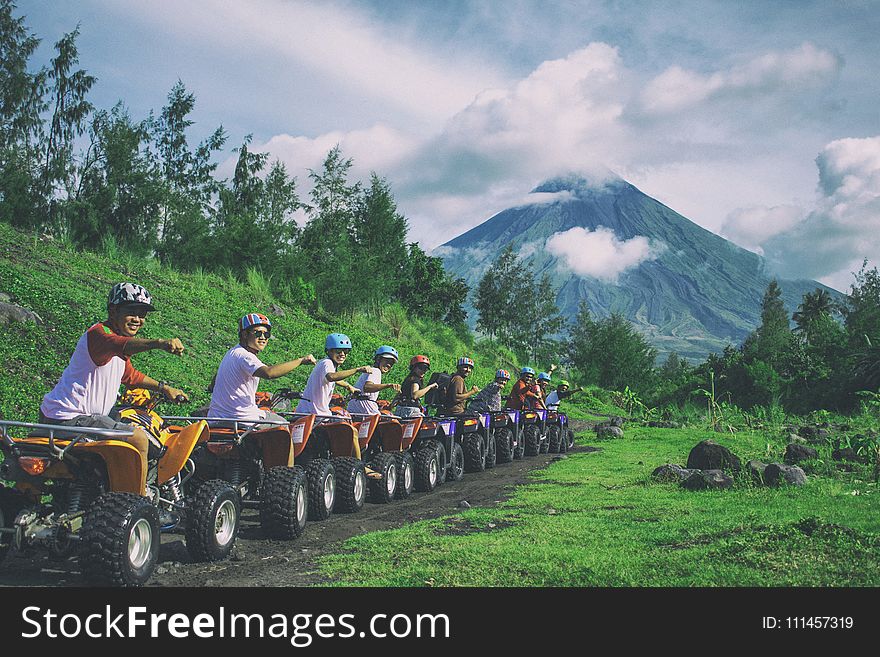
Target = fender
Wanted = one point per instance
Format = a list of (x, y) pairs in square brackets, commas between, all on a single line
[(180, 445)]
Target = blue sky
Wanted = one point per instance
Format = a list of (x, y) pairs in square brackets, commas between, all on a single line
[(756, 120)]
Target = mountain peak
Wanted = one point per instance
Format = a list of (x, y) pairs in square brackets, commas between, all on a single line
[(580, 184)]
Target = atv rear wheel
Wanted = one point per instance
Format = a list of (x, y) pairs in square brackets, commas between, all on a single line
[(427, 468), (442, 461), (406, 475), (212, 515), (284, 507), (322, 488), (120, 540), (10, 504), (351, 481), (474, 453), (504, 445), (456, 463), (532, 440), (519, 445), (382, 490)]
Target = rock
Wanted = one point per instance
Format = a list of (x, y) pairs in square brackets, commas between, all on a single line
[(794, 438), (5, 298), (609, 432), (161, 570), (616, 421), (814, 435), (709, 455), (671, 472), (848, 454), (795, 453), (10, 312), (708, 480), (464, 504), (277, 310), (777, 473), (756, 470), (664, 424)]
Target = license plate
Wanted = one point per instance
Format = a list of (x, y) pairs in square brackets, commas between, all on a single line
[(364, 429), (297, 433), (408, 431)]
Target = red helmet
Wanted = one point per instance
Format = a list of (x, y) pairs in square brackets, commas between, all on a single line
[(420, 360)]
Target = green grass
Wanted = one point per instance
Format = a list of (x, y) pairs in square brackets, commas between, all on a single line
[(597, 519), (68, 289)]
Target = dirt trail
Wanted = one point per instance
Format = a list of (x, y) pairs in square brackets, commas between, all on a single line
[(256, 561)]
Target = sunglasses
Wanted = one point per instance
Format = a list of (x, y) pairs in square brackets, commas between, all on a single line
[(261, 334)]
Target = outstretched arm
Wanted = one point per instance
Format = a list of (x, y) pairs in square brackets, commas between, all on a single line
[(275, 371)]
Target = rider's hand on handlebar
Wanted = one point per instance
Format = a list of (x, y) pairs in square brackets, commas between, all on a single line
[(475, 388), (174, 346), (175, 395), (395, 387)]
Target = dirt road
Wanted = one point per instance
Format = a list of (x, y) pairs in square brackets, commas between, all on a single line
[(256, 561)]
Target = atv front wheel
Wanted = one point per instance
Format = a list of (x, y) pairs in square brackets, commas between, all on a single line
[(120, 540), (284, 506), (406, 475), (352, 482), (504, 445), (382, 490), (554, 440), (456, 464), (570, 434), (490, 452), (322, 488), (532, 440), (544, 444), (212, 515), (474, 453)]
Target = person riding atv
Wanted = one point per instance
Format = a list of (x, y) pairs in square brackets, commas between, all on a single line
[(326, 375), (234, 389), (100, 364), (489, 398), (562, 392), (407, 404), (370, 384), (540, 390)]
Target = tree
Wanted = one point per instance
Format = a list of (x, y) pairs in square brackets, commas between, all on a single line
[(495, 296), (541, 320), (773, 333), (862, 308), (70, 109), (815, 305), (427, 290)]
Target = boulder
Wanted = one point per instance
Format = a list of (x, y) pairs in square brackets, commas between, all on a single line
[(709, 455), (616, 421), (794, 438), (756, 470), (707, 480), (848, 454), (779, 473), (5, 298), (670, 472), (795, 453), (10, 312), (814, 435), (277, 310), (604, 431)]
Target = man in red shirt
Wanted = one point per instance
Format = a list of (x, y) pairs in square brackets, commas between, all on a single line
[(101, 363)]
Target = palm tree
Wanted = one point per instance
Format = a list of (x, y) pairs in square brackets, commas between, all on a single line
[(814, 305)]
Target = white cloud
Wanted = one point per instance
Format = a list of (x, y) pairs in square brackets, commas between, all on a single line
[(677, 88), (844, 226), (600, 254), (546, 198), (752, 226)]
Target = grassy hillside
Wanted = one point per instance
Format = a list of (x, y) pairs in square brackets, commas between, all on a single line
[(68, 290)]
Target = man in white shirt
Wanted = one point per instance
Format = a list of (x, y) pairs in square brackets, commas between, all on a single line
[(559, 394), (235, 384), (326, 374), (371, 384)]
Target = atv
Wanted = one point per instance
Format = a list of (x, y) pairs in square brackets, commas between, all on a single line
[(507, 431), (557, 432), (82, 492), (533, 431), (258, 463)]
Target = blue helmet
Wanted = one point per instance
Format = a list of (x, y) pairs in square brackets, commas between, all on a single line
[(337, 341), (527, 370), (386, 352), (543, 376)]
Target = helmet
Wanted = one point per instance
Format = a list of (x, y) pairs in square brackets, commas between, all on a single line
[(464, 360), (386, 352), (420, 360), (337, 341), (253, 319), (563, 383), (527, 370), (543, 376), (129, 294), (502, 374)]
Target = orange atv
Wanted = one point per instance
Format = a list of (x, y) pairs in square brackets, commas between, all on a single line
[(259, 464), (80, 488)]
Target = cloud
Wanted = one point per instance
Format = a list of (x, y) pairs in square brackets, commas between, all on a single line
[(844, 226), (752, 226), (546, 198), (600, 254), (676, 88)]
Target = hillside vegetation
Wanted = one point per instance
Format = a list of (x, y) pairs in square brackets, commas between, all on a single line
[(68, 289)]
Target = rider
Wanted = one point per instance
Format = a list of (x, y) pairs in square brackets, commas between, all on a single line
[(456, 393), (370, 383), (326, 374), (489, 398), (411, 390), (562, 391), (101, 362), (522, 394), (235, 383), (540, 389)]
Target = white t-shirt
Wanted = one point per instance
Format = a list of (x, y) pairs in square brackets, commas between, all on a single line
[(552, 401), (367, 405), (236, 386), (316, 396)]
